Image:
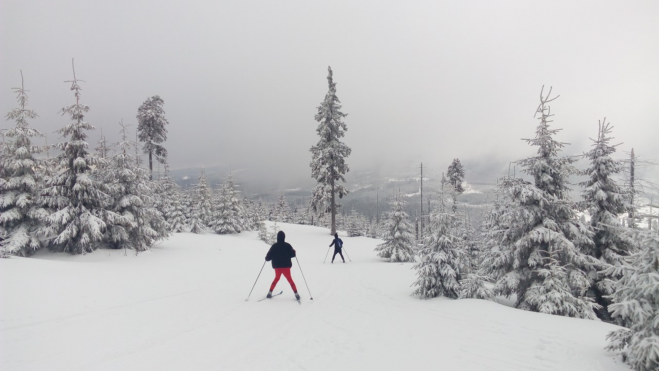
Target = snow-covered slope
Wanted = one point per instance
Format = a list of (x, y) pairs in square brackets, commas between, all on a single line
[(182, 307)]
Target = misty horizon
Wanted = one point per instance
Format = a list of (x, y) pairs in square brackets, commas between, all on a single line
[(427, 82)]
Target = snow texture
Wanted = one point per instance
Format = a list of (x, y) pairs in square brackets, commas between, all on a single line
[(181, 306)]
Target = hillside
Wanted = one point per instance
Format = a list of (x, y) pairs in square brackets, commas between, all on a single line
[(182, 306)]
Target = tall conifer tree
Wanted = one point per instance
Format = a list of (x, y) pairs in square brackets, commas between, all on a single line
[(456, 175), (20, 213), (151, 128), (605, 200), (78, 201), (328, 164), (544, 240)]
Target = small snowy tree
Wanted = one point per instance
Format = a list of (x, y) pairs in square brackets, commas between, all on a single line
[(635, 303), (20, 213), (456, 175), (474, 287), (282, 211), (271, 236), (328, 164), (605, 200), (173, 207), (228, 210), (151, 129), (78, 201), (102, 149), (354, 224), (133, 197), (440, 258), (498, 236), (201, 204), (186, 203), (398, 243)]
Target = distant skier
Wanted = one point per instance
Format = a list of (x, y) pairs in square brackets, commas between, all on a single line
[(338, 244), (281, 253)]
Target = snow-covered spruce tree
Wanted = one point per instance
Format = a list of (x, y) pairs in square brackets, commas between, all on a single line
[(173, 208), (440, 258), (605, 200), (498, 237), (102, 149), (142, 224), (328, 164), (248, 208), (20, 213), (186, 203), (151, 128), (474, 287), (77, 200), (636, 304), (261, 227), (201, 212), (258, 216), (271, 236), (282, 211), (456, 175), (302, 215), (354, 228), (544, 237), (470, 240), (228, 210), (398, 243)]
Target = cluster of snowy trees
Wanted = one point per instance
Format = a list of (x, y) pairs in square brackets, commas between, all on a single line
[(79, 199), (535, 247)]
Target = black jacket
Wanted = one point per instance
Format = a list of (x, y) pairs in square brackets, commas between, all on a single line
[(338, 244), (281, 254)]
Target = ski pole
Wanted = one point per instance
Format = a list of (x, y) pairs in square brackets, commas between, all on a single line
[(257, 278), (344, 249), (305, 280), (328, 249)]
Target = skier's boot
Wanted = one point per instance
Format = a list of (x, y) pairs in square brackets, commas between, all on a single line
[(297, 296), (269, 295)]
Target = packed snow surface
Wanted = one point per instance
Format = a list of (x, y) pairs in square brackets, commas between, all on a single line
[(182, 306)]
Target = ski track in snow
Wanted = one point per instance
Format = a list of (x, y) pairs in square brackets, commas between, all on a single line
[(182, 307)]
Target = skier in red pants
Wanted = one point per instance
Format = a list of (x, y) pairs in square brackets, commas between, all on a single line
[(281, 253)]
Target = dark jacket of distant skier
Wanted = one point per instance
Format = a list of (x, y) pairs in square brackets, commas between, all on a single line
[(281, 253), (337, 242)]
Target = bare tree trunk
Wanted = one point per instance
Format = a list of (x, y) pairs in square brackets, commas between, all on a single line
[(632, 216), (420, 227), (333, 230), (150, 166)]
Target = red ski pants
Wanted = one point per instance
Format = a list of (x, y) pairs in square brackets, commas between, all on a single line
[(287, 273)]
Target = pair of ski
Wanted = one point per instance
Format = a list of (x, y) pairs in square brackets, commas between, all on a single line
[(273, 295)]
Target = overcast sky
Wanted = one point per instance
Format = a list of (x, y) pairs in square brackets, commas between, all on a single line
[(420, 80)]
